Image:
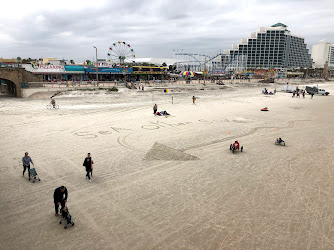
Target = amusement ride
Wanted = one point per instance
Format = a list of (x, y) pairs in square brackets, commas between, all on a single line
[(120, 52)]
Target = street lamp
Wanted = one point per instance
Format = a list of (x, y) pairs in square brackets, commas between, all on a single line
[(97, 70)]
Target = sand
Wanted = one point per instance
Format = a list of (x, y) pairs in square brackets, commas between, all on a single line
[(170, 183)]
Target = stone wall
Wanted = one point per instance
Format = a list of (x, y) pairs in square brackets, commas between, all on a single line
[(16, 76)]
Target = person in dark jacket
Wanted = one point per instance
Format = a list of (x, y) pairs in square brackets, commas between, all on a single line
[(88, 163), (58, 197), (155, 108)]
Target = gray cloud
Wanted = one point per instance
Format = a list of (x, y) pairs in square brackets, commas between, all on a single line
[(156, 28)]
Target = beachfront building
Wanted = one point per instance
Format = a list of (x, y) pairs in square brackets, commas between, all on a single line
[(321, 53), (53, 61), (271, 47), (8, 62), (108, 73), (148, 73), (57, 73)]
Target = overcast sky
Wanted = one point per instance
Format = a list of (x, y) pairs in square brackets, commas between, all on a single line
[(154, 28)]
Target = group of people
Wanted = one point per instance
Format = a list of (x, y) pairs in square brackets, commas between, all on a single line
[(155, 108), (298, 93), (60, 194), (265, 91), (160, 113), (88, 164)]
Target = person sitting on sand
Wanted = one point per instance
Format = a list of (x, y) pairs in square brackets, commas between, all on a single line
[(236, 144)]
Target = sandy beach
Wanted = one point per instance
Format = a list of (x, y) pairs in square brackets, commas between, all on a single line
[(170, 182)]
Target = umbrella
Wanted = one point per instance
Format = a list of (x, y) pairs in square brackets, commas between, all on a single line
[(188, 73)]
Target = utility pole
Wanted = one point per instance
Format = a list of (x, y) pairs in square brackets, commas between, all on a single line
[(97, 69)]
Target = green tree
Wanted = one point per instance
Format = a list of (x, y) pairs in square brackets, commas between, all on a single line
[(164, 64)]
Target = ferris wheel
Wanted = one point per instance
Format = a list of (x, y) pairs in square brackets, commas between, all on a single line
[(120, 51)]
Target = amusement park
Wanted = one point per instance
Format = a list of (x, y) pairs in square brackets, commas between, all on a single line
[(268, 54)]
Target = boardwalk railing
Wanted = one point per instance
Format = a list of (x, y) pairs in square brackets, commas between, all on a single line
[(150, 83)]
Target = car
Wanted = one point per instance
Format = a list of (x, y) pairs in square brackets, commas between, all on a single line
[(316, 90)]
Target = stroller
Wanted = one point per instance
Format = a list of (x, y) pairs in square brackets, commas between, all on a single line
[(33, 175), (65, 217)]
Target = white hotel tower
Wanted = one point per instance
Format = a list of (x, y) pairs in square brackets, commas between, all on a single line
[(322, 52), (272, 47)]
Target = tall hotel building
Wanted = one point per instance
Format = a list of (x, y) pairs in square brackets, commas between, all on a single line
[(321, 53), (272, 47)]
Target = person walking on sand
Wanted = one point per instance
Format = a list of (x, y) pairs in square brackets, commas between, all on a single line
[(155, 108), (26, 163), (88, 163), (303, 93), (194, 99), (294, 93), (58, 197)]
